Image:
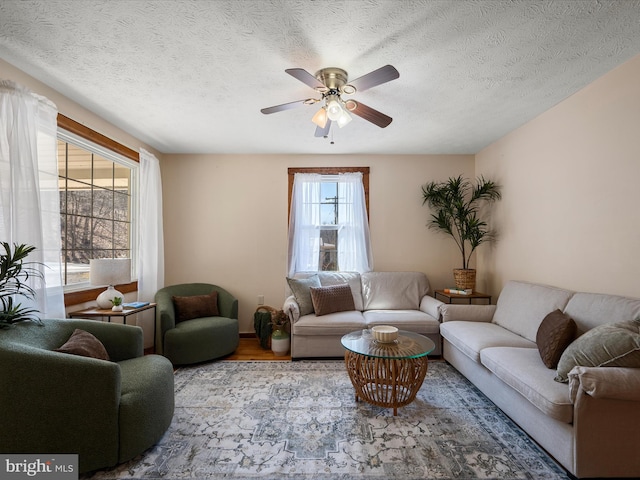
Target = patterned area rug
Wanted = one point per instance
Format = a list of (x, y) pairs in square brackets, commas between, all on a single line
[(299, 420)]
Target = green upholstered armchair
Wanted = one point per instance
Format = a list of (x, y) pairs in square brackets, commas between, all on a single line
[(198, 339), (105, 411)]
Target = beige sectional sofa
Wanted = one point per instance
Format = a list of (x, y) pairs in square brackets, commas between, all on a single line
[(591, 425), (380, 298)]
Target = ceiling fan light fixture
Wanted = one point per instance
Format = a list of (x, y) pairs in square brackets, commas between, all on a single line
[(332, 83), (344, 118), (320, 118), (334, 109)]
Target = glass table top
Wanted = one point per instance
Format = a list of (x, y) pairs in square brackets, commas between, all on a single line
[(408, 345)]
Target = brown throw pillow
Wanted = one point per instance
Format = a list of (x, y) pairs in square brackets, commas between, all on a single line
[(196, 306), (555, 333), (331, 299), (84, 344)]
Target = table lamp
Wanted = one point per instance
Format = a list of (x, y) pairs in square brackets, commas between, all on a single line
[(109, 271)]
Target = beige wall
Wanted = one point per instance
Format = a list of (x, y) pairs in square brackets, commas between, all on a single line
[(570, 210), (225, 219)]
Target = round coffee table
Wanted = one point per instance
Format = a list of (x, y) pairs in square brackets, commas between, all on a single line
[(386, 374)]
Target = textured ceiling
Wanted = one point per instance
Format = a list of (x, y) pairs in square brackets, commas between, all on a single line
[(192, 76)]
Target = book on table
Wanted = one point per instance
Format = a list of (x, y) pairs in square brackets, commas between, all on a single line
[(459, 291), (135, 304)]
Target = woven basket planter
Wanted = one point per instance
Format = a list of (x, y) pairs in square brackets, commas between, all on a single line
[(465, 278)]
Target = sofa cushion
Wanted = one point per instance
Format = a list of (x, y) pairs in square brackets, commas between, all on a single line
[(84, 344), (195, 306), (410, 320), (339, 323), (555, 333), (300, 289), (612, 345), (522, 306), (393, 290), (522, 370), (589, 310), (471, 337), (335, 298)]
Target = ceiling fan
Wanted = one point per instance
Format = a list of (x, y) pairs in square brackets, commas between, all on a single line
[(332, 83)]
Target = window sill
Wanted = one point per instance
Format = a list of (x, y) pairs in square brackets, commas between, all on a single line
[(89, 295)]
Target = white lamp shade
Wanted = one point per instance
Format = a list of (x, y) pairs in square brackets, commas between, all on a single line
[(110, 271)]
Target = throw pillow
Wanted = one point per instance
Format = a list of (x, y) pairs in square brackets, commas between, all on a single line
[(555, 333), (196, 306), (84, 344), (610, 345), (300, 289), (335, 298)]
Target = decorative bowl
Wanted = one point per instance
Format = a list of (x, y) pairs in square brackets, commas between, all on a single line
[(385, 333)]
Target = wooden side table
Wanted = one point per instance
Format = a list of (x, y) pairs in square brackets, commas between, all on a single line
[(450, 297), (109, 314)]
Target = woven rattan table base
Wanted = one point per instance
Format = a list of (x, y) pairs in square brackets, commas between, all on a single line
[(385, 382)]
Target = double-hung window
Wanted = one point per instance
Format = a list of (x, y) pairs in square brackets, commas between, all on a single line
[(328, 221), (97, 204)]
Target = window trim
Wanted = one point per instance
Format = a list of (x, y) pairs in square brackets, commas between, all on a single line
[(89, 294), (85, 132), (329, 171)]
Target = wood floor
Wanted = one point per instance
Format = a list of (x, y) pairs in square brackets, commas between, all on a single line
[(250, 349)]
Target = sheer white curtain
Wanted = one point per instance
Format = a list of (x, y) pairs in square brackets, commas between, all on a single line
[(354, 247), (29, 196), (150, 237), (304, 223)]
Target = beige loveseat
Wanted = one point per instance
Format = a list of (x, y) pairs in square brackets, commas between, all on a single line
[(400, 299), (590, 425)]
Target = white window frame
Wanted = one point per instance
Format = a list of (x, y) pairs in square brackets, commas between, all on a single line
[(108, 154), (329, 175)]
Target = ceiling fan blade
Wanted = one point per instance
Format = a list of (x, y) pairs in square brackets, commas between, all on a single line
[(370, 114), (288, 106), (323, 132), (377, 77), (305, 77)]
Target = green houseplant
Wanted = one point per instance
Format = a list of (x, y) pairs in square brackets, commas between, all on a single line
[(117, 304), (14, 276), (455, 206)]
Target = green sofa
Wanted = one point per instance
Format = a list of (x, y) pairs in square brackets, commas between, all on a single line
[(105, 411), (199, 339)]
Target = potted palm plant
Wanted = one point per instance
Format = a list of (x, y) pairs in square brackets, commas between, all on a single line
[(455, 206), (14, 278)]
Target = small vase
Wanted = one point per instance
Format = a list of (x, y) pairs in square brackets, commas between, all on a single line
[(117, 308), (280, 343)]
